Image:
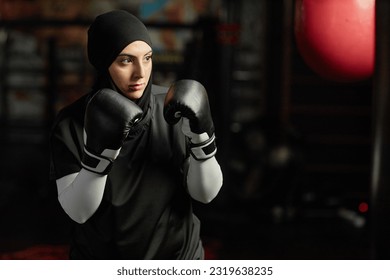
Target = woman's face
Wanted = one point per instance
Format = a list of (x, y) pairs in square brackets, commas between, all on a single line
[(131, 69)]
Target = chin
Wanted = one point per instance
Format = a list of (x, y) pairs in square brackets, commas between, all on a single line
[(133, 95)]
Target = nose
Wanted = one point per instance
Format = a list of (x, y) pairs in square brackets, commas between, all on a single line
[(139, 70)]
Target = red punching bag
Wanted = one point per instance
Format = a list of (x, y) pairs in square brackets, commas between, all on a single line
[(336, 38)]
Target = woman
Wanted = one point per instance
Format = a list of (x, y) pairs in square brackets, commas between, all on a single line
[(126, 165)]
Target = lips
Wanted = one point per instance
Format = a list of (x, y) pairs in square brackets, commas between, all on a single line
[(136, 87)]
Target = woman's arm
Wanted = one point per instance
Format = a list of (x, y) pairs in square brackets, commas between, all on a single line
[(204, 179), (80, 194), (187, 100), (109, 117)]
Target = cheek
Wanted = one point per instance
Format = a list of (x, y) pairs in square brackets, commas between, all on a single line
[(119, 76)]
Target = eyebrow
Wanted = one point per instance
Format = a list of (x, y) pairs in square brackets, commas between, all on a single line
[(130, 55)]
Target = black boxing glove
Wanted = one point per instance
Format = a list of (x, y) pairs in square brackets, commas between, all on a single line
[(109, 116), (188, 99)]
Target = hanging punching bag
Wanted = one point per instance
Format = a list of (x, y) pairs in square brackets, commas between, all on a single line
[(336, 38)]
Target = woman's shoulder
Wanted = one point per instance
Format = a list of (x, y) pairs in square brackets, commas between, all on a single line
[(73, 112), (158, 94)]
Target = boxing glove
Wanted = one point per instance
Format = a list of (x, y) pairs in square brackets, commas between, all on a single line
[(109, 116), (188, 99)]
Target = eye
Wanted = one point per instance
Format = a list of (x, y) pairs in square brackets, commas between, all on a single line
[(148, 57), (126, 60)]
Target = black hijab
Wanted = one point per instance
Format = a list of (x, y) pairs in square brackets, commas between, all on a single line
[(108, 35)]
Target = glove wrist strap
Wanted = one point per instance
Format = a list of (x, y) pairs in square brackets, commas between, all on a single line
[(96, 163), (204, 150)]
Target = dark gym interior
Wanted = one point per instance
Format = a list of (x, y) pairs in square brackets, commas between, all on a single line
[(304, 158)]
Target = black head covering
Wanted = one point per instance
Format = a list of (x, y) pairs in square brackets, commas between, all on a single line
[(108, 35)]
